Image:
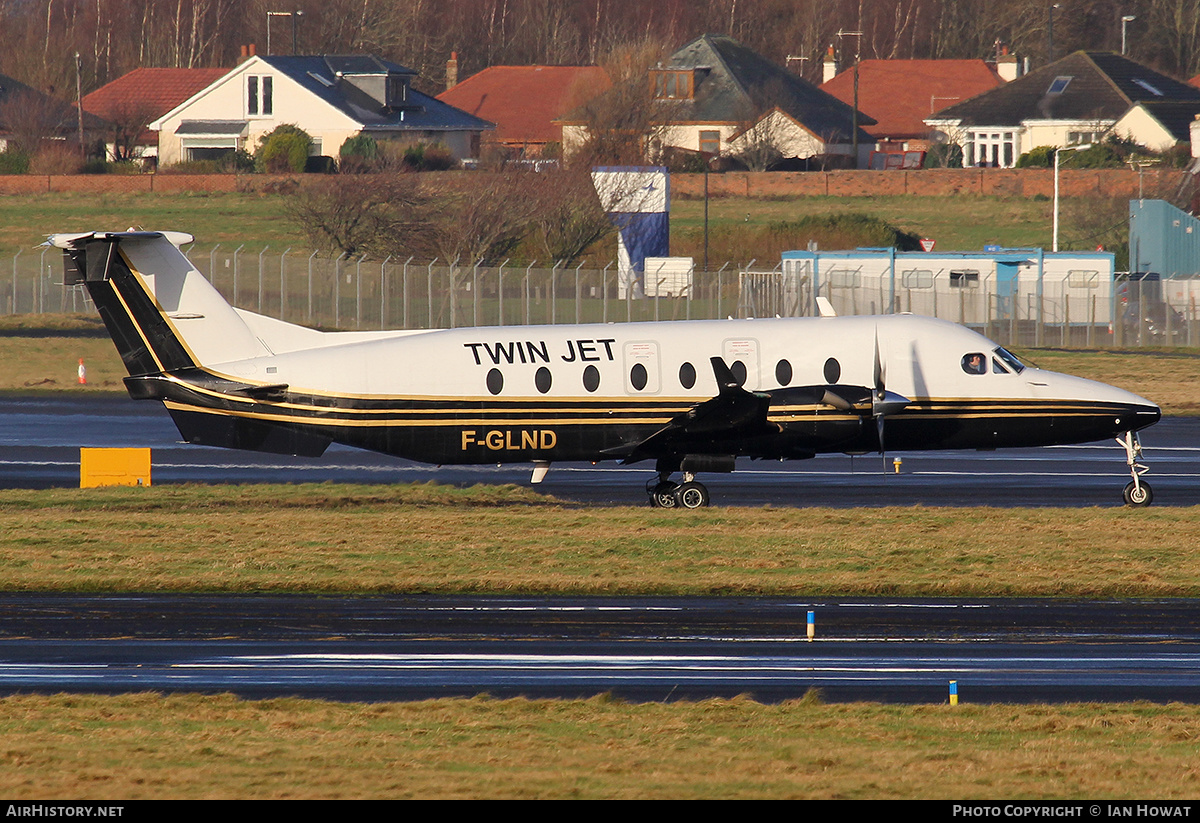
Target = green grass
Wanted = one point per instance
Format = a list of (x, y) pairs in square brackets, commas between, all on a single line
[(229, 219), (502, 539), (962, 223), (151, 746), (956, 223)]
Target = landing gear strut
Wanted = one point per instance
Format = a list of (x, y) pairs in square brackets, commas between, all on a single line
[(1138, 492), (665, 494)]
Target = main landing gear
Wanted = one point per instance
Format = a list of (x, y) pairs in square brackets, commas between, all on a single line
[(665, 494), (1138, 492)]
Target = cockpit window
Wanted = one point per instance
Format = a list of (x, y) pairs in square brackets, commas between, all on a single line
[(998, 367), (1009, 359), (974, 363)]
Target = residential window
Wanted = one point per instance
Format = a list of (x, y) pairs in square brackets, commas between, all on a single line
[(992, 148), (1079, 138), (672, 85), (260, 95), (710, 142)]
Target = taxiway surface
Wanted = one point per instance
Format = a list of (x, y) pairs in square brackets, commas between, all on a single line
[(40, 439)]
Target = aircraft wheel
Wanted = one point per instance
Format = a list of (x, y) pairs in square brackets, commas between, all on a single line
[(663, 496), (1136, 495), (692, 495)]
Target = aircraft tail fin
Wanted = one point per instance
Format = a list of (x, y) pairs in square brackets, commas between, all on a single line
[(162, 314)]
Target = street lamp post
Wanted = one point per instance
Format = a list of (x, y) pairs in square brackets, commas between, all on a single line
[(1126, 20), (854, 114), (295, 15), (1050, 31), (1057, 152)]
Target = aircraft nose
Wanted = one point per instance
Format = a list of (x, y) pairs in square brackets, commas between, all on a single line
[(1140, 415)]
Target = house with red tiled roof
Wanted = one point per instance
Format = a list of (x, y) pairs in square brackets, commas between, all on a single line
[(1074, 101), (134, 100), (525, 101), (900, 94)]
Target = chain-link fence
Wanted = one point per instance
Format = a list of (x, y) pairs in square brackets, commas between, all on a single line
[(1073, 308)]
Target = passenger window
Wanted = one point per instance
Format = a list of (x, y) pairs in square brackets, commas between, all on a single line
[(687, 375), (974, 363)]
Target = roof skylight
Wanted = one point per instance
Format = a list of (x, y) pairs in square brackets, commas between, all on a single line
[(1059, 85)]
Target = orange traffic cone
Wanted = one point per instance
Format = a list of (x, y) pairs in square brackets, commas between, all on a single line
[(82, 373)]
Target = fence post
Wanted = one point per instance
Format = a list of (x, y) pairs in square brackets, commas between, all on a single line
[(429, 291), (337, 291), (282, 281), (12, 308), (500, 293), (554, 293), (310, 285), (404, 295), (383, 292), (528, 273), (475, 293), (236, 272), (604, 292), (260, 277), (577, 307), (358, 292), (41, 282), (212, 264)]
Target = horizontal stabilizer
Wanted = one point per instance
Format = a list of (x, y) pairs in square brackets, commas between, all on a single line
[(227, 432)]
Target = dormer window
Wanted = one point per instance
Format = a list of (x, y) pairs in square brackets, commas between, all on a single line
[(672, 84), (260, 95), (397, 90)]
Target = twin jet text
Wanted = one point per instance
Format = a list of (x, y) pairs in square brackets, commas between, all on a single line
[(529, 351)]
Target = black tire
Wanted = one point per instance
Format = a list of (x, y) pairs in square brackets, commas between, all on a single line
[(663, 496), (691, 495), (1138, 494)]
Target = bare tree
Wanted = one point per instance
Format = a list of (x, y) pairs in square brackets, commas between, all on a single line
[(30, 119), (356, 214)]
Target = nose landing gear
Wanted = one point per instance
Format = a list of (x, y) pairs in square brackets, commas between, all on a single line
[(1138, 492)]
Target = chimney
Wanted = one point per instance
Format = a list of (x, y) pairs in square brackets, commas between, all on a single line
[(1008, 67), (830, 66), (452, 71)]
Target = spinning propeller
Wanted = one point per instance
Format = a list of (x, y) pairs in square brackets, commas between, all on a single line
[(883, 402)]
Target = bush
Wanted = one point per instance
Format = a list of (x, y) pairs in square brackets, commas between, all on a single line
[(14, 162), (56, 158), (428, 157), (284, 149), (359, 154), (1040, 157), (238, 162)]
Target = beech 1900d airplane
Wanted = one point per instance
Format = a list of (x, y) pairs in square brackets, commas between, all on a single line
[(690, 395)]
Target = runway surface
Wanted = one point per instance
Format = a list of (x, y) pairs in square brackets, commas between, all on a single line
[(40, 439), (640, 649), (405, 648)]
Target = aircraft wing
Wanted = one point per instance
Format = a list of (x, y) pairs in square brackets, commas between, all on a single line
[(733, 414)]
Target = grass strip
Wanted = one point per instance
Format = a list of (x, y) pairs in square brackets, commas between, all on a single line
[(148, 746), (327, 538)]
